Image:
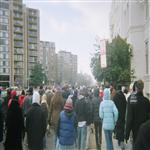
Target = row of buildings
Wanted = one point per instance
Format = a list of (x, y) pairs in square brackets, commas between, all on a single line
[(21, 48), (59, 67), (131, 20)]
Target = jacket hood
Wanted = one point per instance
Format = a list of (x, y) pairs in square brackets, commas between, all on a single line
[(106, 94)]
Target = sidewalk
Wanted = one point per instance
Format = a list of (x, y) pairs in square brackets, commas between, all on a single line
[(92, 144)]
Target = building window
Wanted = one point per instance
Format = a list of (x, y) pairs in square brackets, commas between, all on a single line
[(3, 27), (146, 9), (4, 70), (4, 63), (147, 57)]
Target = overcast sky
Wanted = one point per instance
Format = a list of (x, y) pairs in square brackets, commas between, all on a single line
[(73, 25)]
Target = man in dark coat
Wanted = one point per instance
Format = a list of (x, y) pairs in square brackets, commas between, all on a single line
[(143, 139), (120, 102), (96, 119), (14, 127), (81, 110), (138, 110), (1, 118), (35, 124)]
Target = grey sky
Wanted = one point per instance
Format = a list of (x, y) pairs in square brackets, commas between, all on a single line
[(73, 25)]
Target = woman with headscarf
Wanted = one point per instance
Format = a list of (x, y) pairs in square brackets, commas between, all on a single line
[(35, 124), (14, 126)]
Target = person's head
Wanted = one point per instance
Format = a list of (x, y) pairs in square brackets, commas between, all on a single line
[(30, 90), (83, 91), (134, 85), (119, 87), (22, 92), (139, 86), (68, 105), (13, 93), (44, 99), (35, 87), (36, 98), (96, 92), (106, 94), (41, 86)]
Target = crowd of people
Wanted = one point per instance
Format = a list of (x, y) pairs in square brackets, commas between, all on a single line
[(67, 115)]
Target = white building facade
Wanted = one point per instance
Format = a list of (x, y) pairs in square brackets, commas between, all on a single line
[(130, 20)]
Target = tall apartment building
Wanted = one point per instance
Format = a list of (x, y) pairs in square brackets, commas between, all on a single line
[(66, 67), (21, 42), (4, 44), (47, 57), (32, 37), (130, 20)]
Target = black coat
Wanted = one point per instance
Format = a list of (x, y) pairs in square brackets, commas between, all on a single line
[(81, 109), (120, 102), (14, 127), (96, 103), (138, 110), (1, 121), (35, 127), (143, 138)]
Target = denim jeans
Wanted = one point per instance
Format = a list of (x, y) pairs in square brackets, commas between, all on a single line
[(108, 139), (82, 133)]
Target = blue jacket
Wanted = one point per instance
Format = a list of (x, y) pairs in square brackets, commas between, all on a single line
[(66, 131), (108, 111)]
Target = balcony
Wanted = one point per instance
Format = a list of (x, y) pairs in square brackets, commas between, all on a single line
[(32, 34), (18, 44), (33, 27), (32, 46), (18, 23), (18, 37), (18, 51), (32, 40), (18, 30), (18, 16), (18, 71), (33, 53)]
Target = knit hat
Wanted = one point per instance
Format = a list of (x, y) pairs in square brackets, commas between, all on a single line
[(68, 104), (139, 85), (13, 93)]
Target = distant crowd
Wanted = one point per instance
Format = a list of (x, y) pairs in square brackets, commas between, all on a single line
[(68, 114)]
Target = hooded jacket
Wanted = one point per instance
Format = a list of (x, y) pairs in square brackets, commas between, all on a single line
[(108, 111)]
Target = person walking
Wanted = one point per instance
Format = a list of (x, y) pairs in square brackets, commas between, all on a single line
[(96, 119), (1, 122), (67, 127), (143, 138), (14, 126), (120, 102), (57, 104), (21, 98), (81, 111), (109, 114), (25, 108), (138, 111), (35, 124)]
